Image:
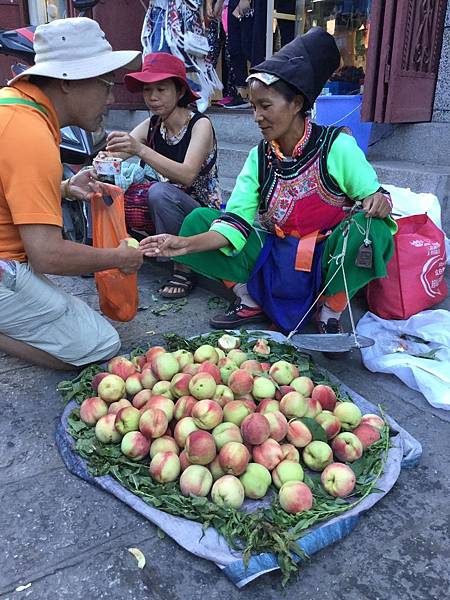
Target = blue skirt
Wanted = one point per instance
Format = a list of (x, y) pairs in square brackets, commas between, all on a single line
[(283, 293)]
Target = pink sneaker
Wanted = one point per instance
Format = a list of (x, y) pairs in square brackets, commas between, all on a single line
[(226, 100)]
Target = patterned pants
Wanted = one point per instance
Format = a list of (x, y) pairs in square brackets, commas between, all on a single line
[(218, 41)]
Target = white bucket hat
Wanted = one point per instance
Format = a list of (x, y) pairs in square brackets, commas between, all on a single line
[(73, 49)]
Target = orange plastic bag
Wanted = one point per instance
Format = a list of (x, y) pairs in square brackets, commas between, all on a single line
[(118, 292)]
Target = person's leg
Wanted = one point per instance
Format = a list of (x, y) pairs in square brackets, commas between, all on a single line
[(237, 56), (258, 33), (241, 292), (215, 43), (32, 355), (241, 311), (287, 28), (42, 323), (230, 88), (335, 298), (232, 270), (330, 312), (246, 25), (168, 206)]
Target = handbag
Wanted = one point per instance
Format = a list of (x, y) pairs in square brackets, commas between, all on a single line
[(415, 274), (196, 44), (137, 215)]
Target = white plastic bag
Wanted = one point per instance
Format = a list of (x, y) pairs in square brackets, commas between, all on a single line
[(406, 202), (196, 44), (400, 347)]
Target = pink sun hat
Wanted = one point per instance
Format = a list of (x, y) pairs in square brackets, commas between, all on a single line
[(157, 67)]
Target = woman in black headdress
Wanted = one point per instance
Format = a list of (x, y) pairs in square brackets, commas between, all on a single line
[(280, 240)]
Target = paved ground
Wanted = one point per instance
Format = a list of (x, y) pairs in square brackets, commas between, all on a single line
[(69, 540)]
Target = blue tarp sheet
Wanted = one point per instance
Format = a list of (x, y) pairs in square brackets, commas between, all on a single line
[(404, 453)]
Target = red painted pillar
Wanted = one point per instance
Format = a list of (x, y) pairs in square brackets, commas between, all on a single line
[(13, 14), (122, 21)]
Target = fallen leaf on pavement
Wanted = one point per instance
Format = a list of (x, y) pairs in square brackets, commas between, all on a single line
[(138, 556)]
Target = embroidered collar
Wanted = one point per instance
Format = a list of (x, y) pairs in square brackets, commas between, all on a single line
[(300, 145)]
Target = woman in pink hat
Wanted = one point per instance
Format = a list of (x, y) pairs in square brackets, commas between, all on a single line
[(179, 143)]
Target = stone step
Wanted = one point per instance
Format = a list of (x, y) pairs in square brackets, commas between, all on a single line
[(419, 178), (231, 158), (124, 120), (400, 143), (226, 186), (235, 126)]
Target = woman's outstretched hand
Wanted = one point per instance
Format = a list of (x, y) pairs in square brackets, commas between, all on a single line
[(377, 205), (165, 245)]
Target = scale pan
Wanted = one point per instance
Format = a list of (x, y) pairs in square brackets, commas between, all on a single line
[(331, 342)]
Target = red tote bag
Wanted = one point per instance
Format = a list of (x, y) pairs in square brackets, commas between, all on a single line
[(415, 273)]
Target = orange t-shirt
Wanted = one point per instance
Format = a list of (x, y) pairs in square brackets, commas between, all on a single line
[(30, 167)]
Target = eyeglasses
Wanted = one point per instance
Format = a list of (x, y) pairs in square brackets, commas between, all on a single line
[(108, 84)]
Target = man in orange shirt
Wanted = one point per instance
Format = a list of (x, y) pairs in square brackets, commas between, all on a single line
[(70, 84)]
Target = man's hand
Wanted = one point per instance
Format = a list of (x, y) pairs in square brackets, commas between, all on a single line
[(120, 141), (377, 205), (83, 185), (130, 259), (165, 245)]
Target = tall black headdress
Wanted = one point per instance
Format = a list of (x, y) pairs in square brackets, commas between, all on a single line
[(306, 63)]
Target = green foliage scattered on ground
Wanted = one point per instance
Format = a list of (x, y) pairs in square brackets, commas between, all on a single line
[(217, 303), (169, 307)]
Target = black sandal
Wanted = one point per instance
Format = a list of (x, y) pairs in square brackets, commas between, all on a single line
[(331, 326), (177, 280)]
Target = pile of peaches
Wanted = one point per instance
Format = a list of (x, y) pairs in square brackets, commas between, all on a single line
[(230, 427)]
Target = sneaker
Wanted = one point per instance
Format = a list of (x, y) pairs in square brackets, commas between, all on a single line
[(238, 102), (236, 315), (223, 101)]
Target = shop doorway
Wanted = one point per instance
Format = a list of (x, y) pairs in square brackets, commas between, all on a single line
[(346, 20), (403, 60)]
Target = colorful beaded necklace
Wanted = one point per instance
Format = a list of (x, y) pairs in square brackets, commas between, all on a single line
[(300, 145)]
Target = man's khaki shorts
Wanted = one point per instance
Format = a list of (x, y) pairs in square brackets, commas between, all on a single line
[(35, 311)]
